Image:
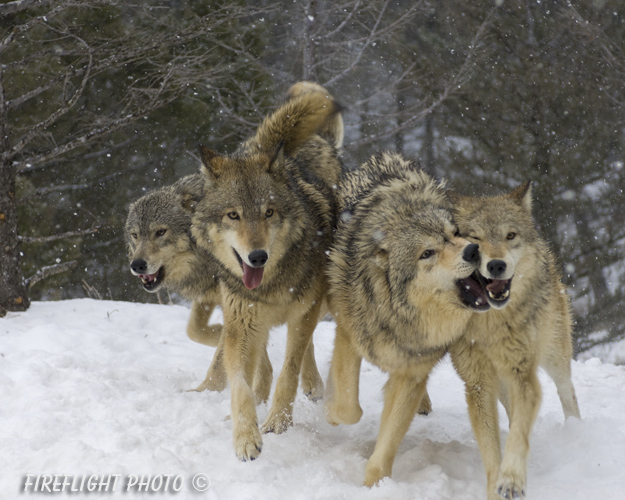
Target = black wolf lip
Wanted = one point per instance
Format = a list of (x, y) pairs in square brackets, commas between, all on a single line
[(473, 292), (498, 291), (152, 282)]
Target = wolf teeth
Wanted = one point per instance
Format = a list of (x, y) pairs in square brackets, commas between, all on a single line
[(504, 295)]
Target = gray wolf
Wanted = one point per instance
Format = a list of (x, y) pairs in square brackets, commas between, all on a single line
[(403, 288), (529, 325), (268, 217), (163, 254)]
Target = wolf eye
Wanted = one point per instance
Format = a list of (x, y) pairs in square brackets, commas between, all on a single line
[(233, 215), (161, 232), (134, 236), (269, 212), (427, 254), (510, 236), (456, 232)]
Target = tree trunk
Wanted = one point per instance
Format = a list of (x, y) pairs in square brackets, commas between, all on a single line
[(13, 295)]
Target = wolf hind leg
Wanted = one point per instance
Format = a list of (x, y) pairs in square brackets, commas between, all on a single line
[(299, 335), (560, 372), (425, 407), (402, 395), (311, 381), (216, 379), (263, 378), (342, 405)]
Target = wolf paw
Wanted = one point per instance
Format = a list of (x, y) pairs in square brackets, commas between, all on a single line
[(425, 407), (210, 384), (373, 476), (277, 423), (313, 389), (248, 444), (341, 413), (509, 490)]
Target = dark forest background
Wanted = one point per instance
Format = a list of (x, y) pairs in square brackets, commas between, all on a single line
[(101, 101)]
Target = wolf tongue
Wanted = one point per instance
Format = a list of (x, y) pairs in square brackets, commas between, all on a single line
[(252, 276), (496, 286)]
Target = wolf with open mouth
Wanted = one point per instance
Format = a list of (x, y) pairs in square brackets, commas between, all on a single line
[(403, 287), (529, 325), (269, 221)]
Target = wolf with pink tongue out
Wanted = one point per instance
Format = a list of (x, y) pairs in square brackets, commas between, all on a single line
[(268, 217)]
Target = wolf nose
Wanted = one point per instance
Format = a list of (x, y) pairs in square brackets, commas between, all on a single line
[(471, 253), (139, 266), (258, 258), (496, 268)]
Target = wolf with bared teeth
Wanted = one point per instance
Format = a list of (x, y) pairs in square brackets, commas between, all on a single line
[(268, 217), (403, 287), (528, 325)]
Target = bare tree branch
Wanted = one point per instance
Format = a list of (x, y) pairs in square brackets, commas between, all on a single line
[(46, 272), (56, 237)]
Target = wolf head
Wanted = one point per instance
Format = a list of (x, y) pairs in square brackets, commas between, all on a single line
[(504, 229), (398, 240), (250, 216), (161, 251), (258, 202), (418, 246)]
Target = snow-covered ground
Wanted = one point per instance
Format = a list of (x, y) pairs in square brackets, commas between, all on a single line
[(92, 388)]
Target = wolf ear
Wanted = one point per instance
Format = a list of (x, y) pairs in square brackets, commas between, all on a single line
[(189, 202), (523, 195), (276, 164), (212, 163)]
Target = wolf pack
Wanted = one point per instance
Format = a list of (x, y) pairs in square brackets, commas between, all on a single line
[(282, 232)]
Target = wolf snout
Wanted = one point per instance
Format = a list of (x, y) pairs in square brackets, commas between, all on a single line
[(139, 266), (496, 268), (471, 253), (258, 258)]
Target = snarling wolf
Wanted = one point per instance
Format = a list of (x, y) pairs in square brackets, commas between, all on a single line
[(403, 288), (268, 216), (529, 325)]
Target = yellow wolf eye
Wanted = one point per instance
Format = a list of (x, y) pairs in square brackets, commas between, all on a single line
[(233, 215), (427, 254), (511, 236), (161, 232), (269, 212)]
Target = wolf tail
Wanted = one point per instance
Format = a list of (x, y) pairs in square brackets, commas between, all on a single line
[(333, 130), (309, 110)]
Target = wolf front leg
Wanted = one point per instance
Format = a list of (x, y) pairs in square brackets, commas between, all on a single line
[(342, 406), (402, 395), (524, 393), (481, 389), (198, 328), (299, 335), (242, 348)]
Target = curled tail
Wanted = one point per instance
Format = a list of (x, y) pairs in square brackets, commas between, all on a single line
[(305, 113), (333, 130)]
